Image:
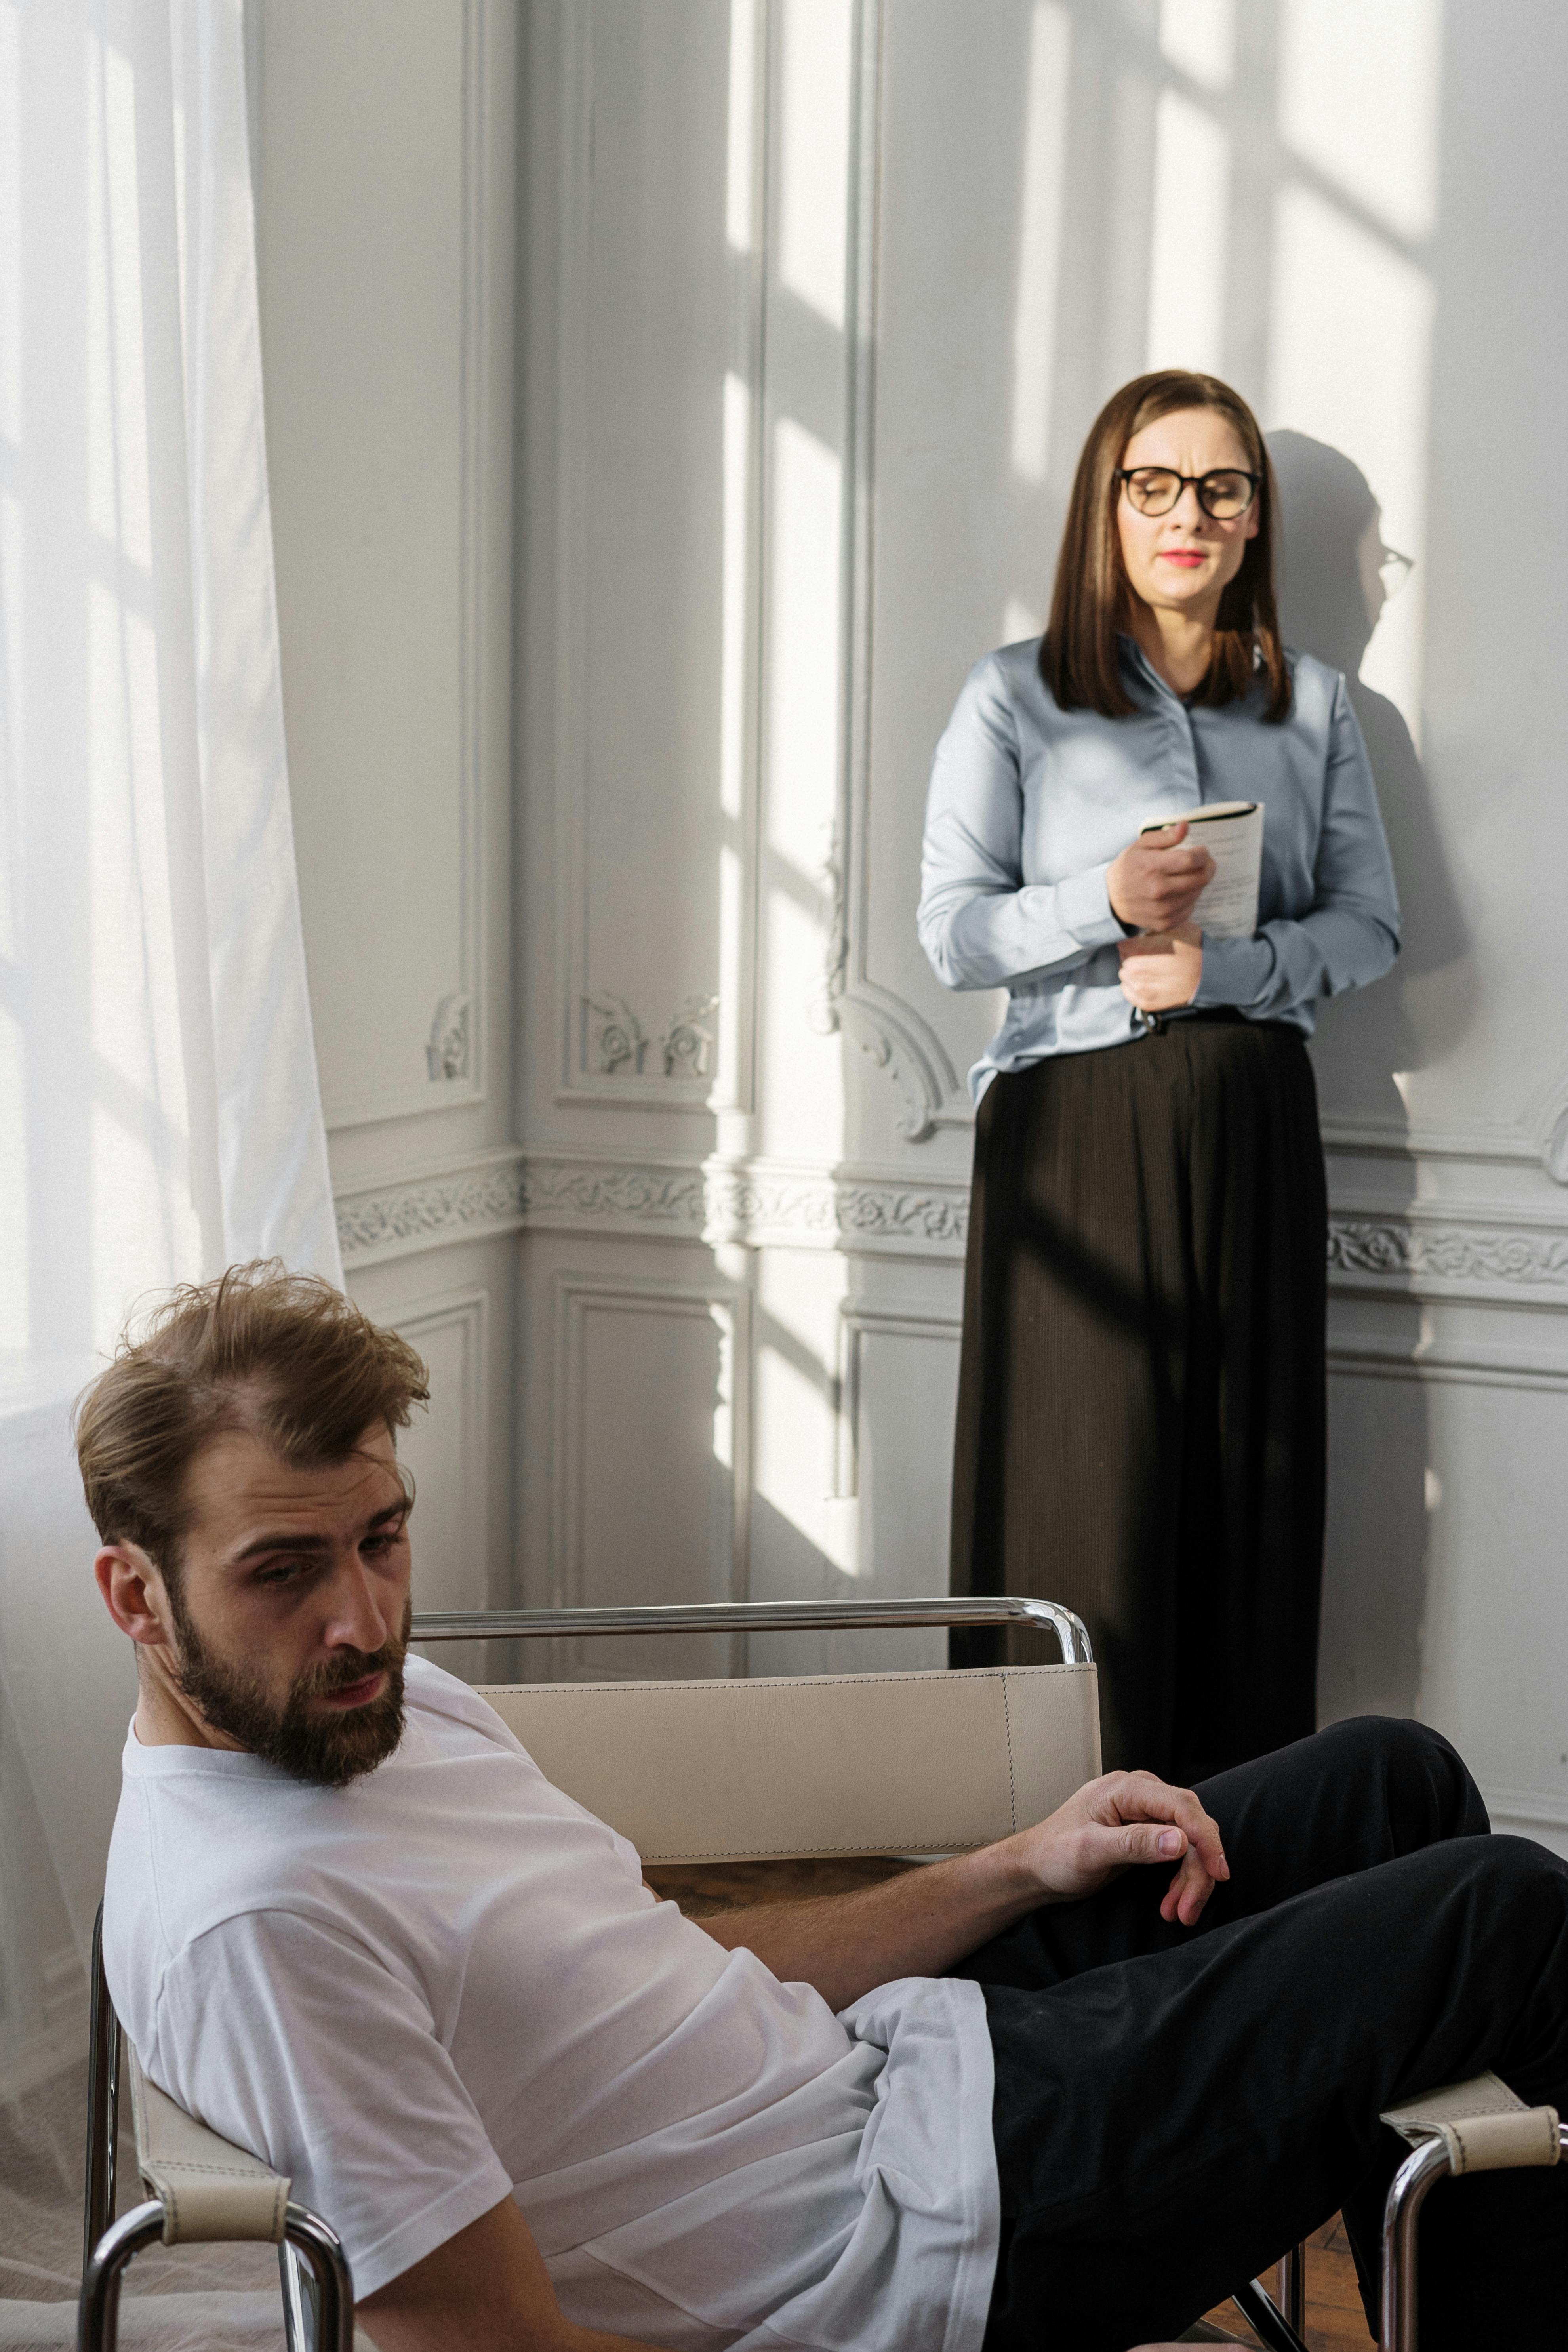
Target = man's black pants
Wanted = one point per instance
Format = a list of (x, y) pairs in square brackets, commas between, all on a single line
[(1175, 2106)]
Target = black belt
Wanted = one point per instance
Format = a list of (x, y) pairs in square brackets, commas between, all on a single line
[(1155, 1023)]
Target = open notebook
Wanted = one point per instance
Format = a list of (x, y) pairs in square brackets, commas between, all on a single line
[(1232, 833)]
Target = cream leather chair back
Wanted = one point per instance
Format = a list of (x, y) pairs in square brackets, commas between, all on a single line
[(760, 1769)]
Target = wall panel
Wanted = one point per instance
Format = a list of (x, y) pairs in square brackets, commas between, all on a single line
[(898, 1390), (446, 1447), (373, 302), (657, 326), (384, 134), (650, 1390)]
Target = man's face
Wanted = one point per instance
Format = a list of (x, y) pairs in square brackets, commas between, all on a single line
[(291, 1606)]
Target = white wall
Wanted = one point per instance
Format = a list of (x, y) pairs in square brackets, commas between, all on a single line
[(817, 300), (384, 134), (820, 299)]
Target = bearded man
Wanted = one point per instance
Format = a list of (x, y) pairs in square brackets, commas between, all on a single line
[(1024, 2096)]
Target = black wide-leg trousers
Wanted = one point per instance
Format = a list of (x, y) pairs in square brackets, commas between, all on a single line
[(1176, 2106), (1140, 1411)]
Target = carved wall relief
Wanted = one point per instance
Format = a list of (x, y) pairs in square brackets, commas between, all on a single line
[(1465, 1252), (1551, 1132), (687, 1044), (619, 1045), (888, 1032), (446, 1047)]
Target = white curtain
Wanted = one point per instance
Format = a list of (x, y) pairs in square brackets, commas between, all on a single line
[(159, 1110)]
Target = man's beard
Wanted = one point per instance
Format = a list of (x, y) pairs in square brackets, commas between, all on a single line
[(329, 1749)]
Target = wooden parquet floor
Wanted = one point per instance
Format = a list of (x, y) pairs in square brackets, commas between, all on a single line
[(1335, 2321)]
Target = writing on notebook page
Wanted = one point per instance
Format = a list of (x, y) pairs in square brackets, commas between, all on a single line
[(1232, 833)]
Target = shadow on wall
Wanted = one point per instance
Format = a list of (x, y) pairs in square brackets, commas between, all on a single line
[(1333, 587), (1376, 1570)]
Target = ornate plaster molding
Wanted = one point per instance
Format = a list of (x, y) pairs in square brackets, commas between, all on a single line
[(756, 1203), (761, 1203), (446, 1047), (620, 1043), (466, 1201), (889, 1032), (1555, 1150), (579, 1195), (1449, 1255), (766, 1204), (1551, 1132)]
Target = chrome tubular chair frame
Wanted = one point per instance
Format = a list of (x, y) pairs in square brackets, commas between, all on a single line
[(109, 2244), (102, 2104), (755, 1617), (1408, 2190), (1277, 2325), (97, 2313)]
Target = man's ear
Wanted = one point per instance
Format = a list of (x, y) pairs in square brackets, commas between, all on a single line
[(134, 1592)]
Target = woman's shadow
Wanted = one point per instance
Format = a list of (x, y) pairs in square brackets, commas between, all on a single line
[(1334, 582), (1333, 588)]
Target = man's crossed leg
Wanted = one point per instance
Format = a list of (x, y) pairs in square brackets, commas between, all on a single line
[(1175, 2106)]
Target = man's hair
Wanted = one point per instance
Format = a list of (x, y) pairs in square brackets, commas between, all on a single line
[(281, 1355)]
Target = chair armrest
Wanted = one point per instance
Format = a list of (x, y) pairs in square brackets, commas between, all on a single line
[(209, 2189), (757, 1617), (1476, 2126), (1484, 2126)]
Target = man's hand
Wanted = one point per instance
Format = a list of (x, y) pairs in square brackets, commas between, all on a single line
[(1114, 1824), (920, 1923), (1161, 971), (1154, 884)]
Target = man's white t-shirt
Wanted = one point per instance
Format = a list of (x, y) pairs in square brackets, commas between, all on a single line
[(447, 1983)]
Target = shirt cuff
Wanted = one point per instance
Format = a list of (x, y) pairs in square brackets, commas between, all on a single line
[(1084, 911), (410, 2240), (1235, 971)]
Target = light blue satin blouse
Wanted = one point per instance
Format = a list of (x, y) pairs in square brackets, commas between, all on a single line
[(1029, 804)]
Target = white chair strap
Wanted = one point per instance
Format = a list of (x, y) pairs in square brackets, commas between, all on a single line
[(208, 2189), (1484, 2126)]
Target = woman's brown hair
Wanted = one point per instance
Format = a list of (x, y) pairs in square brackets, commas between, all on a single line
[(283, 1355), (1078, 658)]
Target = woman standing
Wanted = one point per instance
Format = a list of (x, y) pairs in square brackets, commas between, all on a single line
[(1141, 1415)]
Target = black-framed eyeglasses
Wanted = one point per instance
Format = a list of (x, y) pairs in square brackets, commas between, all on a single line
[(1224, 494)]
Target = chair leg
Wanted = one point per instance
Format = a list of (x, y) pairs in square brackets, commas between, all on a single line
[(1408, 2193), (98, 2313), (1422, 2168), (103, 2106), (1293, 2287), (318, 2247), (322, 2250), (298, 2300), (1266, 2319)]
